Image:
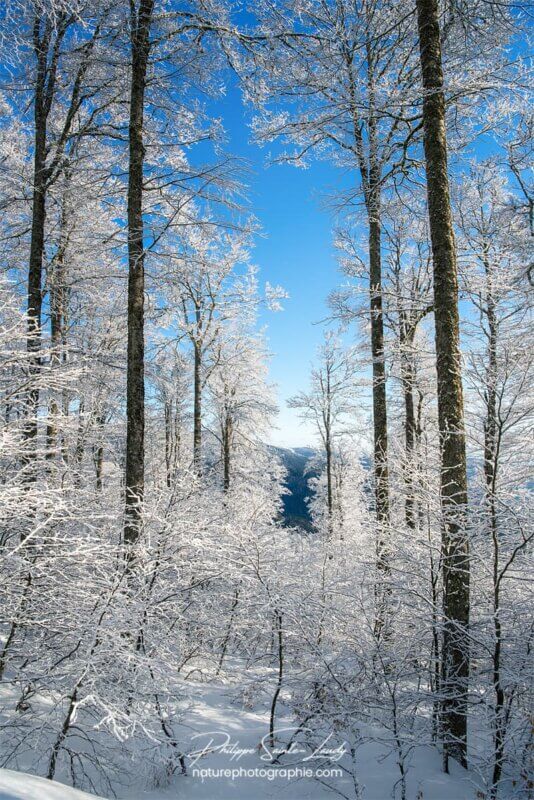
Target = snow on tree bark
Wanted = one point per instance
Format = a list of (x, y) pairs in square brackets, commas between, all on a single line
[(455, 651)]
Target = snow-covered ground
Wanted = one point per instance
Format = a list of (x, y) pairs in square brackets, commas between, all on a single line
[(21, 786), (230, 734)]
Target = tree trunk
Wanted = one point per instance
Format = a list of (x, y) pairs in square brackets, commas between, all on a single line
[(48, 35), (169, 442), (380, 423), (491, 463), (62, 735), (35, 269), (380, 420), (227, 447), (98, 453), (410, 424), (55, 360), (490, 423), (455, 650), (500, 709), (379, 368), (197, 410), (370, 175), (177, 438), (57, 295), (141, 20), (279, 620), (228, 633), (79, 450), (16, 623), (329, 488)]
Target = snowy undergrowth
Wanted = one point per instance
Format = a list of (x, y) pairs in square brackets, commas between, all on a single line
[(224, 736)]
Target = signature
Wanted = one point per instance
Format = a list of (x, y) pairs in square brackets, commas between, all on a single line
[(218, 741)]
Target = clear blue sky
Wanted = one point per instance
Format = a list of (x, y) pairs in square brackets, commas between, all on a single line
[(294, 251)]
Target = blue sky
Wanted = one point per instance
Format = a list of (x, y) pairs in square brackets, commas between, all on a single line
[(294, 251)]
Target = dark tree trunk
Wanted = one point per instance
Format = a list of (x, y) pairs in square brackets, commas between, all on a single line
[(169, 443), (409, 506), (197, 409), (491, 421), (498, 686), (141, 20), (227, 452), (410, 424), (279, 631), (380, 422), (35, 269), (99, 463), (329, 487), (16, 622), (228, 633), (172, 439), (62, 735), (380, 419), (58, 335), (379, 368), (79, 450), (328, 451), (65, 393), (370, 175), (98, 452), (455, 650), (491, 464), (35, 297), (48, 35), (55, 360)]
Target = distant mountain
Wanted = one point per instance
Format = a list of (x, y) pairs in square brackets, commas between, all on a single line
[(295, 511), (295, 460)]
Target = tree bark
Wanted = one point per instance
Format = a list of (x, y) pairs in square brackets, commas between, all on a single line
[(48, 37), (380, 422), (379, 368), (197, 408), (329, 487), (141, 20), (327, 420), (169, 442), (408, 373), (98, 452), (490, 423), (227, 452), (41, 41), (455, 649), (370, 175), (279, 621), (491, 466), (58, 334), (228, 633), (62, 735)]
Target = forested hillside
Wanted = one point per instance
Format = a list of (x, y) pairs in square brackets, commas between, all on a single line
[(298, 465)]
